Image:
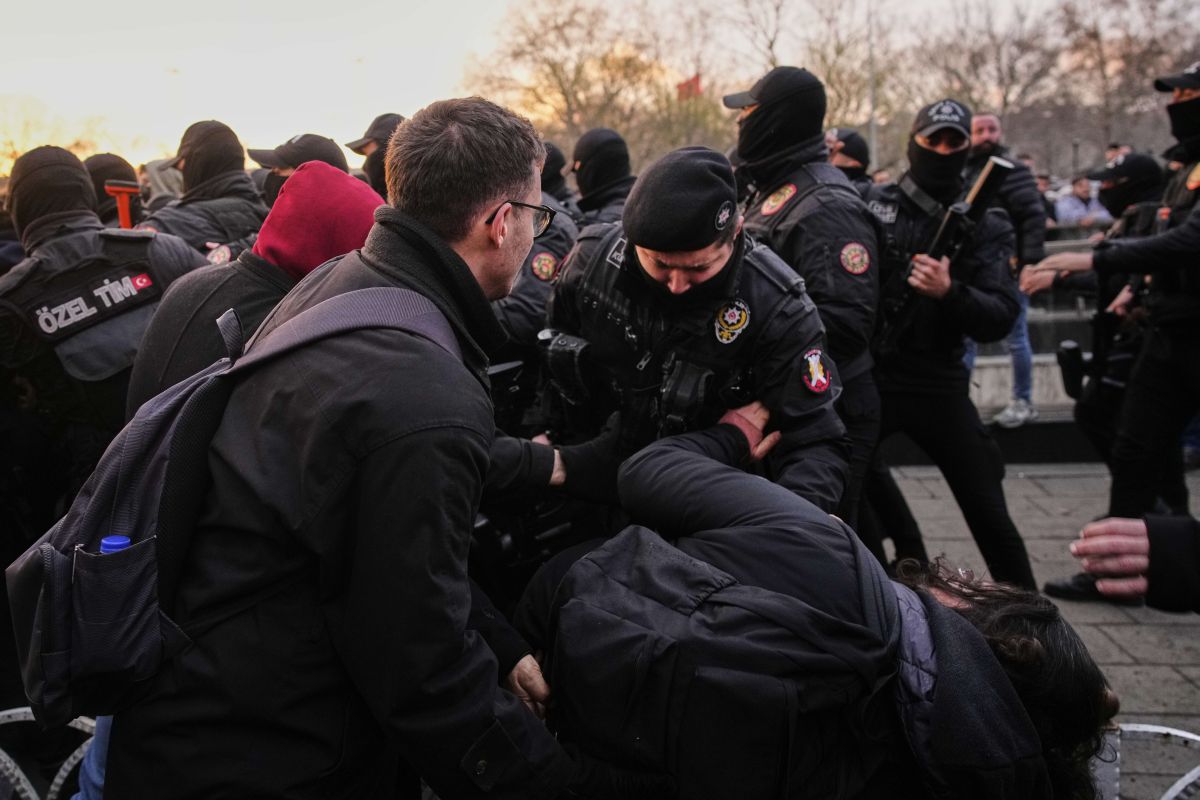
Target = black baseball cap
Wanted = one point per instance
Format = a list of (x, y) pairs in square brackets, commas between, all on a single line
[(854, 145), (380, 130), (1127, 165), (1188, 79), (300, 149), (941, 115), (779, 83), (682, 202)]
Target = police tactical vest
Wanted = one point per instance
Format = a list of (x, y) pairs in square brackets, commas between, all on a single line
[(1174, 295)]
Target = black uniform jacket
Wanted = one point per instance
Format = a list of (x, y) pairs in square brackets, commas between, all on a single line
[(1019, 196), (224, 209), (1172, 256), (1174, 574), (815, 220), (70, 337), (749, 333), (346, 478), (606, 204), (890, 694), (982, 302), (523, 312)]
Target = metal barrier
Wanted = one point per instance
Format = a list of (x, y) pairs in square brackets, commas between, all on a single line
[(1106, 768), (12, 774)]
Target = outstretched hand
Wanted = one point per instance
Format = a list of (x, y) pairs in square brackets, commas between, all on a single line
[(752, 420), (1118, 550)]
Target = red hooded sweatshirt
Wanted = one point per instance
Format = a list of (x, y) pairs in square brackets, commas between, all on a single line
[(321, 212)]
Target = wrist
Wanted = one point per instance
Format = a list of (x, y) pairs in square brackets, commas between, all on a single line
[(558, 475)]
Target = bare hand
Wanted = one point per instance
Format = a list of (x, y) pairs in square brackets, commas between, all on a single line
[(752, 420), (929, 277), (527, 683), (1118, 549), (1120, 303), (1064, 262), (541, 438), (1033, 282)]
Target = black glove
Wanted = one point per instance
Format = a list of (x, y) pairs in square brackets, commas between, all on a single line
[(599, 780), (592, 466)]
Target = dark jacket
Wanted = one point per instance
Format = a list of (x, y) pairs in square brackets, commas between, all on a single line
[(1174, 298), (345, 482), (606, 204), (224, 209), (1173, 579), (982, 302), (79, 371), (818, 224), (1019, 196), (674, 364), (182, 338), (890, 694)]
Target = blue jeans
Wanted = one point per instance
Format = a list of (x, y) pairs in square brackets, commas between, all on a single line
[(91, 771), (1019, 348)]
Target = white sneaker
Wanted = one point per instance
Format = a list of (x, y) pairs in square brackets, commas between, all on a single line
[(1016, 414)]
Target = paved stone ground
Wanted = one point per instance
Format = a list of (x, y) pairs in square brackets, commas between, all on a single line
[(1152, 659)]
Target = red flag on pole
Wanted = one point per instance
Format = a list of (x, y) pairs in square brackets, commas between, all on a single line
[(689, 88)]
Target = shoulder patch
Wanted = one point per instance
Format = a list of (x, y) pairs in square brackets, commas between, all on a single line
[(816, 377), (778, 199), (616, 255), (221, 254), (855, 258), (135, 234), (544, 266), (886, 212), (1193, 179), (732, 319)]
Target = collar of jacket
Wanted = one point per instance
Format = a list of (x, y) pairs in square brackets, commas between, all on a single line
[(50, 226), (771, 171), (617, 190), (408, 252), (230, 184), (259, 268)]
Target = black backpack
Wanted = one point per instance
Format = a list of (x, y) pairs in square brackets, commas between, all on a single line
[(91, 629)]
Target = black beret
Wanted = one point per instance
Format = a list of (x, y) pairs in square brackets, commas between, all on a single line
[(683, 202)]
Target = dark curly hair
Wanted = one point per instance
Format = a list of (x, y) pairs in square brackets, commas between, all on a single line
[(1063, 690)]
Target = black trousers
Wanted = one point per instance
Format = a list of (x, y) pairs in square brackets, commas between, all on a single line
[(947, 427), (859, 409), (1162, 397)]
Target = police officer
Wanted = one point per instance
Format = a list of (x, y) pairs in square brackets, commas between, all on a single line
[(849, 152), (373, 145), (104, 167), (922, 379), (554, 181), (602, 173), (220, 205), (810, 214), (683, 316), (72, 313), (287, 158), (1164, 387)]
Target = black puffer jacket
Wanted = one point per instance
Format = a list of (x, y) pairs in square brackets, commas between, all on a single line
[(1019, 196), (224, 209)]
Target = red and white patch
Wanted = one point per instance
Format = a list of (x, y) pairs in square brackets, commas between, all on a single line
[(816, 377), (220, 254), (544, 267), (142, 281), (778, 199), (855, 258)]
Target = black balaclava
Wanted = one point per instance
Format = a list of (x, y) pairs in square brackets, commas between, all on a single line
[(783, 124), (553, 181), (209, 149), (48, 180), (109, 166), (1185, 121), (603, 159), (375, 168), (272, 183), (940, 176), (1145, 181)]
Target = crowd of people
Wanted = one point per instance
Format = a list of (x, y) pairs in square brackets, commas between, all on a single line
[(613, 523)]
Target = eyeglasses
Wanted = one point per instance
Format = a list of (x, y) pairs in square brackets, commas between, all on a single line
[(542, 216), (946, 136)]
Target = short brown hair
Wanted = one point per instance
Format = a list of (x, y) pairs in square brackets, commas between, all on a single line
[(454, 157)]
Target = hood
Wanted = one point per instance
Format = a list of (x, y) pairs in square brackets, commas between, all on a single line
[(321, 212), (47, 180)]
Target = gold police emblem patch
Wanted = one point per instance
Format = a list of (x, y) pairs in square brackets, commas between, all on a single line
[(732, 319), (778, 199), (855, 258), (544, 266)]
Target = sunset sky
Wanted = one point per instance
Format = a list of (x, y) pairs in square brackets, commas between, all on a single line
[(132, 74)]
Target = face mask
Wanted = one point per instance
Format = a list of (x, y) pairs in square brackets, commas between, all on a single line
[(271, 186), (375, 169), (938, 175), (1185, 119)]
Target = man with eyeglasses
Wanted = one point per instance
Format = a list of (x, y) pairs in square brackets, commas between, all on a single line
[(922, 379), (330, 558), (674, 316)]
